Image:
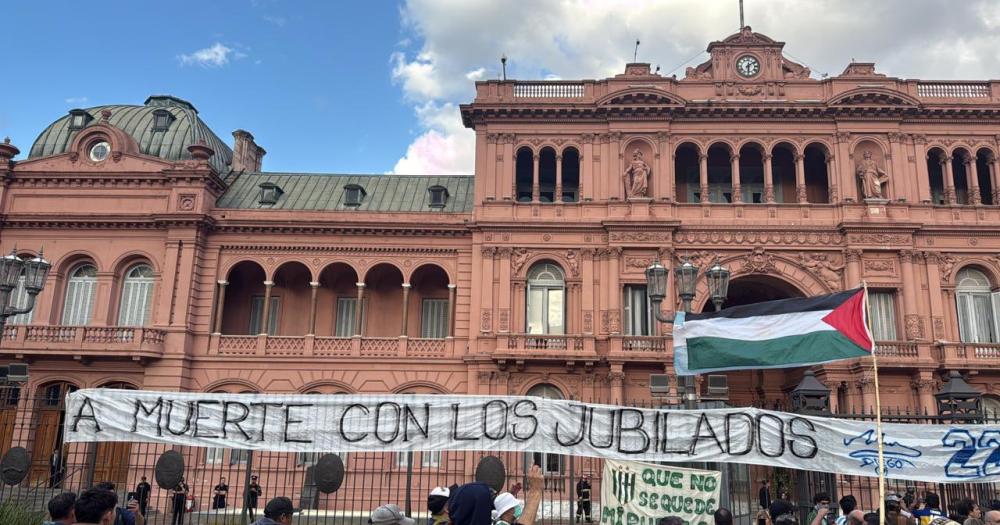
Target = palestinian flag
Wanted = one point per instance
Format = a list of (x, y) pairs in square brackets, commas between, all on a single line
[(774, 334)]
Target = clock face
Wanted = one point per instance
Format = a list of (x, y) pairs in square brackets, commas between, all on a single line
[(747, 66)]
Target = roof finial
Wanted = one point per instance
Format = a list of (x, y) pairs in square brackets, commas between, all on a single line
[(105, 115), (6, 140)]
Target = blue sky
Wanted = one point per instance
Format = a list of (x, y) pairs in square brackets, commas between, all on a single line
[(311, 81), (373, 86)]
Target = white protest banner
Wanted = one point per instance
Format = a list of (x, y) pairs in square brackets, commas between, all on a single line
[(635, 493), (399, 423)]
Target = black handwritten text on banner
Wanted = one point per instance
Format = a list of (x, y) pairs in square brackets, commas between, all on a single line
[(345, 423)]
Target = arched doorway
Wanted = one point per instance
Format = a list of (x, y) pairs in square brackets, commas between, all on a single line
[(48, 456), (750, 289)]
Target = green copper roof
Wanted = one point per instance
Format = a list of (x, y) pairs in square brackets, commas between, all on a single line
[(385, 193), (186, 129)]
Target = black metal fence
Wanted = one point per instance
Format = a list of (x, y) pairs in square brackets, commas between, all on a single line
[(373, 478)]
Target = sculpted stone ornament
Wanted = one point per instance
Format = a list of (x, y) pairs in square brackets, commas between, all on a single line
[(329, 473), (637, 177), (872, 177), (14, 466), (821, 264)]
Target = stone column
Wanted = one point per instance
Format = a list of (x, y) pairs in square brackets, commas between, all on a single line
[(665, 168), (923, 177), (923, 382), (912, 322), (219, 305), (265, 318), (312, 308), (452, 292), (949, 182), (558, 196), (616, 379), (359, 308), (972, 176), (833, 192), (406, 308), (800, 178), (703, 178), (853, 258), (995, 179), (768, 180), (934, 292), (534, 179), (734, 163)]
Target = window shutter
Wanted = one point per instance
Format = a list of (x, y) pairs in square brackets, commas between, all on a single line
[(883, 313), (346, 307), (137, 299), (982, 313), (965, 321), (256, 312), (272, 319), (995, 304), (79, 300)]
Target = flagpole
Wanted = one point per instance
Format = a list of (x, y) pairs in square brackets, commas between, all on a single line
[(878, 418)]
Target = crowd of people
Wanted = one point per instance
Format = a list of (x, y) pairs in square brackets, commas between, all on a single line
[(477, 503)]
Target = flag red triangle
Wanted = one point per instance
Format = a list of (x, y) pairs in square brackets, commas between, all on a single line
[(849, 319)]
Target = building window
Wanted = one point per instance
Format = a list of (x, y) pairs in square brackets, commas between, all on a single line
[(977, 307), (269, 194), (346, 312), (882, 306), (162, 120), (638, 311), (353, 195), (438, 196), (257, 314), (546, 300), (550, 463), (214, 455), (80, 294), (100, 151), (137, 296), (434, 318), (78, 119)]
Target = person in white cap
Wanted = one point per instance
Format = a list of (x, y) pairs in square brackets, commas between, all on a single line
[(511, 511), (437, 505), (389, 515)]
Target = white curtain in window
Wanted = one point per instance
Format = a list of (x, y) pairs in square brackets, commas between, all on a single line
[(976, 305), (546, 298), (882, 306), (346, 312), (637, 311), (19, 299), (137, 297), (434, 318), (257, 314), (80, 294), (214, 455)]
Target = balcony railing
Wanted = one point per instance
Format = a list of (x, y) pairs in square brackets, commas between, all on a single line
[(327, 346), (981, 353), (896, 349), (953, 89), (543, 89), (641, 343), (84, 339)]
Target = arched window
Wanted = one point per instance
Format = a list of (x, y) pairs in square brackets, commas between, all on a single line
[(546, 307), (550, 463), (137, 296), (80, 293), (977, 305), (991, 407), (524, 175)]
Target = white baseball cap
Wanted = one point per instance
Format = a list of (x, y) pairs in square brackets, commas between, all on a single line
[(441, 491), (504, 502)]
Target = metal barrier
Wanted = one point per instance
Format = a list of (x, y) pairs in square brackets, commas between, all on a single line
[(373, 478)]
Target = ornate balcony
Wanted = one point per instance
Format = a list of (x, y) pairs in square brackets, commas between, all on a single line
[(572, 349), (324, 346), (968, 355), (641, 348), (83, 342)]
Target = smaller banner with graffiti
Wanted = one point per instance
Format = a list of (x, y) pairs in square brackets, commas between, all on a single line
[(635, 493)]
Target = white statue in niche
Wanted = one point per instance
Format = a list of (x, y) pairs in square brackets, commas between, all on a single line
[(872, 177), (637, 177)]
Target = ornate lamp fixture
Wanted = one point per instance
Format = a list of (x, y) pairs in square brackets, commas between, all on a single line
[(12, 268)]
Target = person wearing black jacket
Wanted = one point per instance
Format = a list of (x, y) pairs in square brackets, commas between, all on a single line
[(764, 495), (583, 500), (142, 492), (179, 494), (219, 494), (253, 494)]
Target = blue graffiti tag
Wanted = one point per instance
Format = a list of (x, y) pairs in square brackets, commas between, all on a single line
[(975, 457), (894, 454)]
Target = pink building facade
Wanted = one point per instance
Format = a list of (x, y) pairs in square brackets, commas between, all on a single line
[(178, 264)]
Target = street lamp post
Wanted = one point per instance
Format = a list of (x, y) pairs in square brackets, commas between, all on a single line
[(12, 268), (686, 275)]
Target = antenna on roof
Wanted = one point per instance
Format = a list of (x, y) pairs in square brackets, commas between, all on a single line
[(742, 24), (636, 53), (503, 65)]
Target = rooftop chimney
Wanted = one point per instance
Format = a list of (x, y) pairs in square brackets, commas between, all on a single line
[(247, 155)]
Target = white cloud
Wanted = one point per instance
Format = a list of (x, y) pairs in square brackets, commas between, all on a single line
[(277, 21), (217, 55), (451, 43), (76, 100)]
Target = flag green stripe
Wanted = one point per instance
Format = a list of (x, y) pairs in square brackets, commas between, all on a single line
[(708, 353)]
